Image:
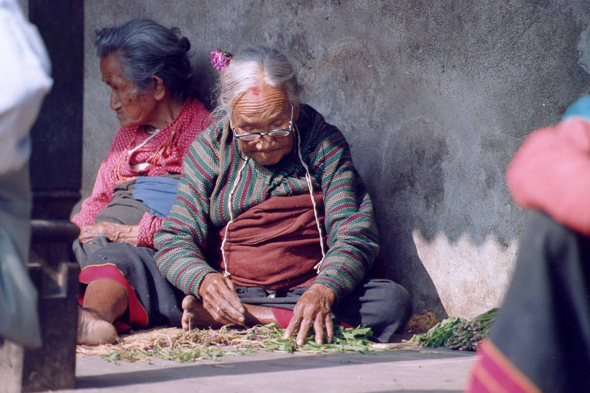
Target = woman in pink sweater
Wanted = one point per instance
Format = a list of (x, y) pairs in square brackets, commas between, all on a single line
[(540, 341), (147, 67)]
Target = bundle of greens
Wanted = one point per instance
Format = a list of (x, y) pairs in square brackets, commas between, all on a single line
[(467, 336), (458, 333), (439, 334)]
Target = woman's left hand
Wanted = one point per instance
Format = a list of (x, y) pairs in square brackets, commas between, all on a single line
[(114, 232), (313, 308)]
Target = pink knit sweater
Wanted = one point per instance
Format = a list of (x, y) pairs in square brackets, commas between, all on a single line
[(117, 166), (551, 172)]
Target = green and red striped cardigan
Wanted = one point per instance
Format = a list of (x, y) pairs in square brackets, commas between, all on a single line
[(210, 169)]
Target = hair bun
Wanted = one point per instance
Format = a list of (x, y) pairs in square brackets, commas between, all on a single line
[(184, 44)]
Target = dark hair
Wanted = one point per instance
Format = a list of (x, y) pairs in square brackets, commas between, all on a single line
[(147, 48)]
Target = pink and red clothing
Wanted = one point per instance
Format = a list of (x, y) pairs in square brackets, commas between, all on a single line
[(551, 173), (540, 341), (133, 266), (176, 138)]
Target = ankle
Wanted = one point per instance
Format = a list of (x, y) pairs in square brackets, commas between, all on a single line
[(96, 314), (106, 298), (258, 315)]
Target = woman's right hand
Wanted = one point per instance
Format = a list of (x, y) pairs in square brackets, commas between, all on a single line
[(114, 232), (220, 299)]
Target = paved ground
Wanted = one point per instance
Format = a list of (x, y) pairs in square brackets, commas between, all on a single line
[(399, 371)]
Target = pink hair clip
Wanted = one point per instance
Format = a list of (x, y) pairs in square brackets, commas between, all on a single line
[(220, 59)]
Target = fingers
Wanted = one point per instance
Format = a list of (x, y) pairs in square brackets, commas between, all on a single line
[(89, 232), (232, 297), (293, 324), (329, 328), (194, 311), (221, 301), (85, 234), (222, 311), (313, 308), (318, 327), (303, 330), (229, 303), (304, 315), (221, 316), (227, 310)]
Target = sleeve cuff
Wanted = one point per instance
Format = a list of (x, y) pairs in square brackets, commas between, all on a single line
[(340, 291), (148, 226), (194, 288)]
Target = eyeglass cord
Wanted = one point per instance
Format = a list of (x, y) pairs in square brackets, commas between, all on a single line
[(309, 182)]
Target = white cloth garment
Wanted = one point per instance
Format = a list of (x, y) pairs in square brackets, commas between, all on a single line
[(24, 68)]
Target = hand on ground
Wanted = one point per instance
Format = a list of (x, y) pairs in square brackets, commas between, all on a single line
[(313, 308), (114, 232), (220, 300)]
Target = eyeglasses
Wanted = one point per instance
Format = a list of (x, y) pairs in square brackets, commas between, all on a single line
[(254, 136)]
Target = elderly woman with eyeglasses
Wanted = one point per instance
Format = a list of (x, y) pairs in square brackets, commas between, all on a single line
[(272, 222), (147, 68)]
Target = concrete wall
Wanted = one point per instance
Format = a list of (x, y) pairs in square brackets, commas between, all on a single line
[(433, 96)]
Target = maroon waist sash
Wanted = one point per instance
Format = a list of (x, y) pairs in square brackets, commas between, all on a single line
[(274, 245)]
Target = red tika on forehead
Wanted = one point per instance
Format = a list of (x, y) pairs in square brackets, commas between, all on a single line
[(255, 90)]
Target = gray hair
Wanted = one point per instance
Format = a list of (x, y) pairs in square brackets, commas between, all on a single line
[(249, 68), (147, 48)]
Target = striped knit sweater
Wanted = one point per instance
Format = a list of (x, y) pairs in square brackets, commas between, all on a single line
[(210, 169)]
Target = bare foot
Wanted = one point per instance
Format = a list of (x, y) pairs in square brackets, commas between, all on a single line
[(194, 314), (93, 330)]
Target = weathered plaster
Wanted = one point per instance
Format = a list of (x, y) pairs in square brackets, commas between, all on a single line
[(433, 96)]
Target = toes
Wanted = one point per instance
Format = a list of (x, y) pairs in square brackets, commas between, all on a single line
[(188, 319), (189, 302), (94, 331), (186, 322)]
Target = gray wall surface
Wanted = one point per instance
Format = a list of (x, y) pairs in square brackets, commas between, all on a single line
[(433, 96)]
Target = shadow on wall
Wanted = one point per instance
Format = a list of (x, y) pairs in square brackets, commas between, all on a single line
[(455, 271), (412, 181), (206, 78)]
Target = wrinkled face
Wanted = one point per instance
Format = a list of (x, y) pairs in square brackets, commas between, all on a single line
[(133, 108), (261, 110)]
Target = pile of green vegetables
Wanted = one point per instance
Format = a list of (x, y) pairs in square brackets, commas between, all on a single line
[(458, 333), (207, 344), (204, 344)]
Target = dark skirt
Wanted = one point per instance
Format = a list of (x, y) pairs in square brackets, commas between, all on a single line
[(153, 301), (540, 341), (378, 303)]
